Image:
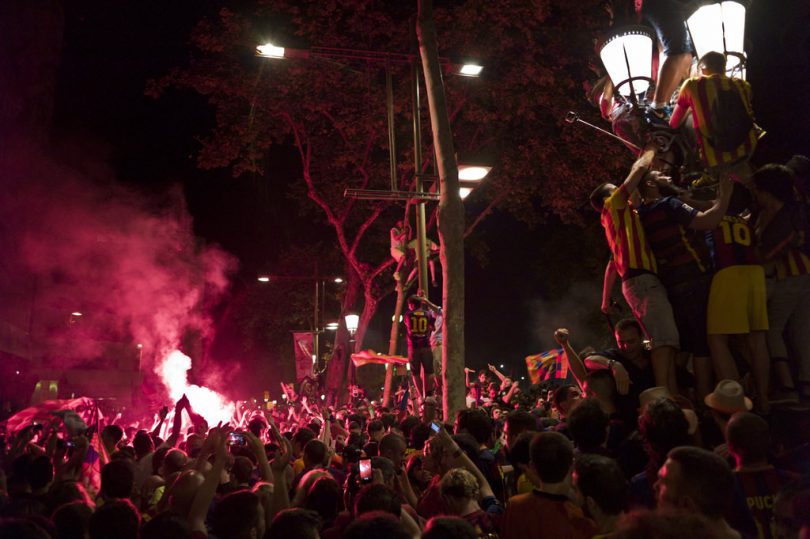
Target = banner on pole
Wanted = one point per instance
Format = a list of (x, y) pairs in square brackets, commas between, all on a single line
[(304, 359)]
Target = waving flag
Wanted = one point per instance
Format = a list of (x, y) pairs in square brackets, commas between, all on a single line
[(370, 357), (549, 365)]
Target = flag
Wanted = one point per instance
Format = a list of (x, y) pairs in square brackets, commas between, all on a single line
[(304, 359), (549, 365), (370, 357)]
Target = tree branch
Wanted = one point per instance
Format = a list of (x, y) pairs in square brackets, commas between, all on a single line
[(362, 230), (481, 216)]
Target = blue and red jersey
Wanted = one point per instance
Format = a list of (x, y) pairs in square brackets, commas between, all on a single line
[(731, 243), (420, 324)]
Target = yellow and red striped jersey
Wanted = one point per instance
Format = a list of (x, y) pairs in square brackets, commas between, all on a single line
[(793, 264), (700, 94), (625, 235)]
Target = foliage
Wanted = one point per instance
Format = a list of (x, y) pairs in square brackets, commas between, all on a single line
[(537, 56)]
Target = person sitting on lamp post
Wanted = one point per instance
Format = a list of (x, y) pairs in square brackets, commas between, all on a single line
[(722, 115)]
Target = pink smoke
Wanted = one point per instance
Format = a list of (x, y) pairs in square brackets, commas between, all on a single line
[(73, 239), (206, 402)]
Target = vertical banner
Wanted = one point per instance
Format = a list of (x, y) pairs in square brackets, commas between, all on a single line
[(303, 354)]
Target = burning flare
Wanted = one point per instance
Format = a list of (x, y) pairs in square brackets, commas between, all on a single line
[(206, 402)]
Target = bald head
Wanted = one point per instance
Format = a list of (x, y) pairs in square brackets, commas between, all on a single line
[(183, 490)]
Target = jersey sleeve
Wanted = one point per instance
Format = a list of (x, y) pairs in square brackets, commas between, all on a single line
[(680, 211)]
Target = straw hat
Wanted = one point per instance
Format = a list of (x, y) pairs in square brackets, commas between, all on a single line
[(653, 394), (728, 397)]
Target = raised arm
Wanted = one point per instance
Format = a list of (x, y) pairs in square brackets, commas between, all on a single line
[(457, 458), (574, 362), (638, 171), (494, 370), (257, 447), (710, 219), (620, 374), (205, 494), (279, 466), (607, 288)]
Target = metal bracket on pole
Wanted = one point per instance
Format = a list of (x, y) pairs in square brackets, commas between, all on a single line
[(573, 117)]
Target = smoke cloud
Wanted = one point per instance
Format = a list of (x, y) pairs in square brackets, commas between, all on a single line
[(577, 310), (76, 241)]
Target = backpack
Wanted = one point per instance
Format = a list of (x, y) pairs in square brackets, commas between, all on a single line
[(730, 121)]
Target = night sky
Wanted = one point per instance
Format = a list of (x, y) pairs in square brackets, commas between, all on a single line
[(110, 50)]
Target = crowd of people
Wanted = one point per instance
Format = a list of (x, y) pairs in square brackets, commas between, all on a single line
[(611, 455), (674, 432)]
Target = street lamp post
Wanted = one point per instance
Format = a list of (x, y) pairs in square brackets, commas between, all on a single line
[(318, 306), (466, 69)]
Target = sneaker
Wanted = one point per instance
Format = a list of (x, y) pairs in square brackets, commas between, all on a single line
[(656, 117)]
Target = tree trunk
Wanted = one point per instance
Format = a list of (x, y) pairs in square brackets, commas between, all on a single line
[(450, 216), (392, 341)]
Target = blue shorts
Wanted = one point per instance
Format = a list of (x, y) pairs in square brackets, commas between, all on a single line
[(668, 17)]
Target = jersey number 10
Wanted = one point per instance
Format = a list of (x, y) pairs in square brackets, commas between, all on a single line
[(737, 233)]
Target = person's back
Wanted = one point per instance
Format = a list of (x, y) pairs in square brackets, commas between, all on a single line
[(721, 112), (547, 512)]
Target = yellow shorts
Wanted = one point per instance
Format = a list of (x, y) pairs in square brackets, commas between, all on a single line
[(737, 301)]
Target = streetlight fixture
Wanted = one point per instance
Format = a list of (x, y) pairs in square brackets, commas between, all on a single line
[(263, 279), (268, 50), (331, 326), (719, 25), (387, 59), (352, 321), (474, 173), (627, 55), (470, 70), (76, 314)]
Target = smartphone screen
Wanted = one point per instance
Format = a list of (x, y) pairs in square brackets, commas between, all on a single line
[(236, 438), (435, 426), (365, 470)]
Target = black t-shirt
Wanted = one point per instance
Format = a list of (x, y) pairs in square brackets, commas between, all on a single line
[(641, 378)]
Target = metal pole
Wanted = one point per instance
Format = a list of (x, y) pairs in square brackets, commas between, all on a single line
[(421, 242), (315, 328), (392, 139)]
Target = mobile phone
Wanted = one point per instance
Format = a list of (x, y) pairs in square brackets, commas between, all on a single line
[(365, 470), (236, 438), (435, 426)]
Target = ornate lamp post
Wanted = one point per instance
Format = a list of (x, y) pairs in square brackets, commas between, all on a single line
[(719, 25), (627, 55)]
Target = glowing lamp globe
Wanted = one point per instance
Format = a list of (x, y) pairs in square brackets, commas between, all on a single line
[(352, 320), (473, 173), (719, 26), (627, 56), (470, 70), (268, 50)]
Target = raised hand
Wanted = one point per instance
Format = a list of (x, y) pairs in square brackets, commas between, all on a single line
[(561, 336)]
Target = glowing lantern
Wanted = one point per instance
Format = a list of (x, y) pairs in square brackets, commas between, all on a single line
[(268, 50), (719, 26), (470, 70), (352, 321), (627, 56)]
